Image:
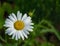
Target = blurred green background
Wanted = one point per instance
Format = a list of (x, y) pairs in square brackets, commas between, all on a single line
[(45, 15)]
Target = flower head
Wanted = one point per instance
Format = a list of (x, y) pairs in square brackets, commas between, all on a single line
[(18, 26)]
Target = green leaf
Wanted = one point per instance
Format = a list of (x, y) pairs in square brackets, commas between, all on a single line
[(46, 44), (15, 9), (7, 7), (15, 44), (1, 44), (52, 31), (1, 17)]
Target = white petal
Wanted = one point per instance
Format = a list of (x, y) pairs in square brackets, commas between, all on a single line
[(7, 25), (11, 18), (29, 29), (27, 21), (24, 34), (31, 23), (21, 35), (13, 35), (8, 31), (16, 37), (19, 15), (8, 20), (14, 16), (11, 32), (24, 17), (28, 17)]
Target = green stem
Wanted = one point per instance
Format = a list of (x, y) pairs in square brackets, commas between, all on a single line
[(56, 33), (2, 40)]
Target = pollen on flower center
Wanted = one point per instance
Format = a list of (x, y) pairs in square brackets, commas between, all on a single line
[(19, 25)]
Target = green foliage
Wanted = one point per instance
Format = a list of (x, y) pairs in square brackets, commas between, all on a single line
[(1, 17), (47, 44), (1, 45), (7, 7), (45, 27)]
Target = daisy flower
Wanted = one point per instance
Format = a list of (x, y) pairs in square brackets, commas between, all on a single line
[(18, 26)]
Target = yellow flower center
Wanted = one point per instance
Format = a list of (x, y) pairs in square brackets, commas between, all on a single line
[(19, 25)]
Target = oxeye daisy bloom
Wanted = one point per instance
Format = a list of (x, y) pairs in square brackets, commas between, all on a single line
[(18, 26)]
